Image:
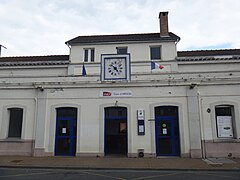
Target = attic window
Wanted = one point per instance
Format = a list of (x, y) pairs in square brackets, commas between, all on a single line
[(121, 50), (155, 52), (89, 55)]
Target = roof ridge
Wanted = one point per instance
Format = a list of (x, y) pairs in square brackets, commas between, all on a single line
[(217, 52), (117, 34), (122, 38)]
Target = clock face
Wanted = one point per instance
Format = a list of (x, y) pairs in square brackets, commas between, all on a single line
[(115, 68)]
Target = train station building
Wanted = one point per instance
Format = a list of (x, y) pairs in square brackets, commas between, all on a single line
[(126, 95)]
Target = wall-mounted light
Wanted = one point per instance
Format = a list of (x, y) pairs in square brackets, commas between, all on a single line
[(40, 88), (208, 110), (192, 86), (116, 103)]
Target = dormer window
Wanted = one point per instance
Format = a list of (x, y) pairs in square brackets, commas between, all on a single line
[(121, 50), (89, 55)]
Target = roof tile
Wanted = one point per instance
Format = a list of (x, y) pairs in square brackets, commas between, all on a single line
[(122, 38), (35, 58), (221, 52)]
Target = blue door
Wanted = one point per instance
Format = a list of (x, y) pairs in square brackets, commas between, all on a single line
[(167, 131), (66, 130), (115, 139)]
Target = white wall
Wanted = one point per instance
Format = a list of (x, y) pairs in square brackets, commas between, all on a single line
[(21, 99), (218, 95), (217, 83), (91, 116), (139, 52), (18, 71)]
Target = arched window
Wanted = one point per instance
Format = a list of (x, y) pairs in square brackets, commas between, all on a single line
[(15, 122)]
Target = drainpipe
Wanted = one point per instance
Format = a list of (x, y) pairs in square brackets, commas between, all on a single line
[(35, 120), (201, 125)]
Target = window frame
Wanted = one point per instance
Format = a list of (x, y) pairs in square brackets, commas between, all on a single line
[(151, 53), (231, 114), (10, 121), (236, 122), (122, 48), (89, 54)]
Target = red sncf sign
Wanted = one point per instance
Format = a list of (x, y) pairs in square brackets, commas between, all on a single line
[(105, 93)]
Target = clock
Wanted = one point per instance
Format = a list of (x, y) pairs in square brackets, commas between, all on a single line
[(115, 67)]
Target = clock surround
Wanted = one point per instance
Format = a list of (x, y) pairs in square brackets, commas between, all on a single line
[(115, 67)]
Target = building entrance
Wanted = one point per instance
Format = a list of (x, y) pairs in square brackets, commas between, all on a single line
[(167, 131), (115, 131), (66, 130)]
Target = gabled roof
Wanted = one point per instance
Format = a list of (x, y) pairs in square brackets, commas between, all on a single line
[(221, 52), (34, 60), (122, 38)]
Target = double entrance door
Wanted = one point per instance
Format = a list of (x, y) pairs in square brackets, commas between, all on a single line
[(167, 131), (115, 139)]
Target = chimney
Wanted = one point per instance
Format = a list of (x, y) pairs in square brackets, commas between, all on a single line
[(163, 20)]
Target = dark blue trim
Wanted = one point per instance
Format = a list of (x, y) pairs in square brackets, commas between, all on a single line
[(175, 151), (115, 117), (59, 137), (168, 154), (71, 136), (165, 117), (66, 118)]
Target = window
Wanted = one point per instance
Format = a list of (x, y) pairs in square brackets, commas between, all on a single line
[(15, 122), (155, 53), (224, 118), (89, 55), (121, 50)]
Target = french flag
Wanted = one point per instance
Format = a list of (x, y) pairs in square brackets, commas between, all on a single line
[(156, 66), (84, 72)]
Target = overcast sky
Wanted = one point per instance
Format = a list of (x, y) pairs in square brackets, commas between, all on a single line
[(41, 27)]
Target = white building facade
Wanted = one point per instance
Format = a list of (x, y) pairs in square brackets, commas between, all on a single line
[(131, 95)]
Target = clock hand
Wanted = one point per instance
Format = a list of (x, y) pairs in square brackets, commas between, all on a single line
[(115, 68)]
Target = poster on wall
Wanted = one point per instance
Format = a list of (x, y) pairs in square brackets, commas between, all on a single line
[(122, 127), (224, 126), (141, 128)]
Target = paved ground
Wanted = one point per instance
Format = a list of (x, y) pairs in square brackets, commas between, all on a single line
[(118, 163), (62, 174)]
